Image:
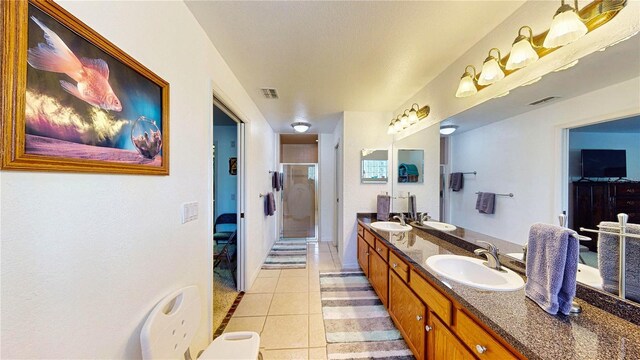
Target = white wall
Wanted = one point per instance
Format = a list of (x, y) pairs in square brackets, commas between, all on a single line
[(85, 256), (326, 186), (600, 140), (225, 136), (523, 155), (362, 130)]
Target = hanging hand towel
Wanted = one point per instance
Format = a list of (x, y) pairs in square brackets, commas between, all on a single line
[(270, 204), (274, 181), (411, 207), (456, 181), (276, 176), (479, 201), (552, 267), (609, 259), (281, 181), (487, 203), (384, 206)]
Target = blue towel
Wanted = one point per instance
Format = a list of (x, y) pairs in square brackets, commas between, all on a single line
[(384, 206), (552, 267)]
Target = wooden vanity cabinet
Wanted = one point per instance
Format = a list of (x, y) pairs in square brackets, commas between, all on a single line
[(379, 276), (479, 340), (409, 314), (363, 255), (443, 344)]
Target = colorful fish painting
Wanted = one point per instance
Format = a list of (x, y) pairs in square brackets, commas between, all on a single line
[(91, 75)]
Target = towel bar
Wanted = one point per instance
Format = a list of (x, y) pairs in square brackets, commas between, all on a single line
[(263, 195), (509, 194), (470, 172)]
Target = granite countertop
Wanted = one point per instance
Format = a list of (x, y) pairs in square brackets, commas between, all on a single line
[(593, 334)]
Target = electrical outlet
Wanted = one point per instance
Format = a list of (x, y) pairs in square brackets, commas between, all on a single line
[(189, 212)]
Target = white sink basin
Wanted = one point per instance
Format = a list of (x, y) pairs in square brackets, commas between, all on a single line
[(586, 274), (472, 272), (440, 225), (390, 226)]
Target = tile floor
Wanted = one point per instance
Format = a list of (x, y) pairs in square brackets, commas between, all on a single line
[(284, 307)]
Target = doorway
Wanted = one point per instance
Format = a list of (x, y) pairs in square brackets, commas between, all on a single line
[(227, 209)]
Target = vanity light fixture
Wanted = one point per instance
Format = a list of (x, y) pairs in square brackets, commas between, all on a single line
[(408, 118), (300, 126), (491, 69), (467, 86), (567, 26), (522, 52), (448, 129)]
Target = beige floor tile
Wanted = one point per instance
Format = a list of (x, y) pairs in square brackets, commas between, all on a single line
[(254, 305), (264, 285), (294, 272), (251, 323), (318, 353), (285, 332), (289, 304), (314, 284), (316, 331), (286, 354), (292, 284), (315, 303), (269, 273)]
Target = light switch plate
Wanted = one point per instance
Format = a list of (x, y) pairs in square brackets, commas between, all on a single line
[(189, 211)]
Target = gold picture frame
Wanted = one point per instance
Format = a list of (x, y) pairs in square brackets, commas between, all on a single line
[(72, 101)]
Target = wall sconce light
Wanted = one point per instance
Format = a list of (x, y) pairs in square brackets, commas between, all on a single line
[(567, 26), (408, 118), (300, 126), (448, 129), (522, 52)]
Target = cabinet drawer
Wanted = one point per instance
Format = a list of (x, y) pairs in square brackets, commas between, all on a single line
[(369, 238), (382, 249), (628, 204), (360, 230), (483, 345), (400, 267), (626, 190), (434, 299)]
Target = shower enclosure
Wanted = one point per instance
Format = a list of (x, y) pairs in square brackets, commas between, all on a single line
[(299, 201)]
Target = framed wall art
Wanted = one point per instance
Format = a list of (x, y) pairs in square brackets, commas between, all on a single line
[(73, 101)]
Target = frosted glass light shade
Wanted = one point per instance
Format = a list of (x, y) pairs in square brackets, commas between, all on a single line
[(301, 126), (491, 72), (413, 116), (397, 126), (448, 129), (466, 87), (522, 54), (391, 129), (566, 27), (404, 121)]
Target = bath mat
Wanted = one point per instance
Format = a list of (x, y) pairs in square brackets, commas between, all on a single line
[(357, 325), (287, 254)]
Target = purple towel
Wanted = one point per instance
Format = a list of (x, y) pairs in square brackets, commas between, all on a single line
[(479, 201), (456, 181), (384, 206), (487, 203), (281, 181), (269, 204), (552, 267), (275, 181)]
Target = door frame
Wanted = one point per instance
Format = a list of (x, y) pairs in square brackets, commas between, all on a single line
[(315, 207)]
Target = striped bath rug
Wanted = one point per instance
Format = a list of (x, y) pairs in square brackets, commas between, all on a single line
[(356, 323), (287, 254)]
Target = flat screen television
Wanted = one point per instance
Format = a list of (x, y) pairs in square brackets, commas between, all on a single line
[(604, 163)]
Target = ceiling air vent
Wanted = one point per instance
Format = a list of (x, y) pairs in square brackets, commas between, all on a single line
[(269, 93), (545, 100)]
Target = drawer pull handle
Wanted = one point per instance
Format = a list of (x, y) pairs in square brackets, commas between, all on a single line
[(631, 191), (378, 249), (394, 265), (629, 202), (418, 317), (481, 349), (367, 253), (428, 328)]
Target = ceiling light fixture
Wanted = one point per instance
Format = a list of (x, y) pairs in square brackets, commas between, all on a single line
[(300, 126), (567, 26), (491, 69), (408, 118), (522, 52), (448, 129)]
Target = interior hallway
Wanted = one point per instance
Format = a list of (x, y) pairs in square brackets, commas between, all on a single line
[(284, 307)]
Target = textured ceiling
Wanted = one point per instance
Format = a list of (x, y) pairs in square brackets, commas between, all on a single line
[(328, 57)]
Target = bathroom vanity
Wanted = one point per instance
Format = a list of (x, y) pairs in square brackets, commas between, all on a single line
[(443, 319)]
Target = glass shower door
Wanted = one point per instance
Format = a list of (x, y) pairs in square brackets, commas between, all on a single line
[(299, 214)]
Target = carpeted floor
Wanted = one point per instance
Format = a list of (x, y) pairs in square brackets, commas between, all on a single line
[(287, 254), (357, 325), (224, 294)]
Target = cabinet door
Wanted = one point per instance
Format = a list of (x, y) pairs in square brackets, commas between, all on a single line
[(379, 276), (363, 255), (409, 314), (444, 345)]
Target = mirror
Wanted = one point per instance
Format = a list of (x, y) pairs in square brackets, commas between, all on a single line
[(531, 148), (374, 166), (410, 166)]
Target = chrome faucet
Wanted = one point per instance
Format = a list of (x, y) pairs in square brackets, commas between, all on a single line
[(401, 219), (492, 255), (424, 217)]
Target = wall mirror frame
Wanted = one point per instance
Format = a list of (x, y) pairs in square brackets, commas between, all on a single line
[(374, 166)]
